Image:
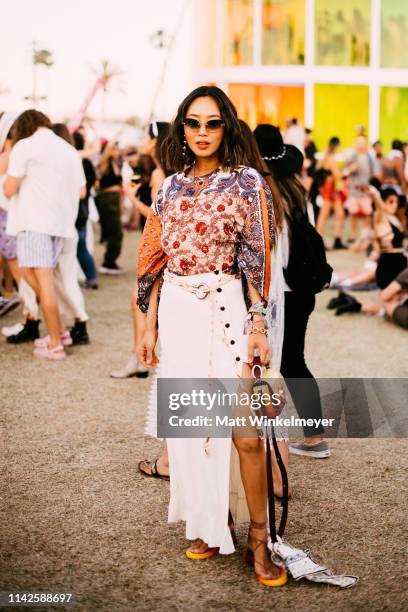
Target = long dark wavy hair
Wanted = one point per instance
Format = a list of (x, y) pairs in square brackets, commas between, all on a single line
[(160, 131), (27, 123), (61, 130), (254, 160), (294, 194), (231, 153)]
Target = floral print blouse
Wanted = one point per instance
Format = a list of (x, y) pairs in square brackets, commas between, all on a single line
[(222, 221)]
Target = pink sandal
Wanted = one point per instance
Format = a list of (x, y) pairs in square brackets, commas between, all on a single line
[(66, 340), (45, 352)]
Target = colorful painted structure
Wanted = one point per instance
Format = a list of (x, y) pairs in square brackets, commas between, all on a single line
[(333, 64)]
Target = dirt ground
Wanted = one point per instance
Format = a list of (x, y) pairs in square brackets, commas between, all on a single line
[(77, 517)]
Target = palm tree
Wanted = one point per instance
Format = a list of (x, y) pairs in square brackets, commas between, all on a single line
[(107, 74), (40, 57), (160, 39)]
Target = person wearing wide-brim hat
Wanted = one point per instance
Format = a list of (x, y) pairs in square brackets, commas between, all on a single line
[(282, 159), (284, 162)]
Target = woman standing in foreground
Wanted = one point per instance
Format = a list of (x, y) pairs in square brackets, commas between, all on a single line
[(214, 226)]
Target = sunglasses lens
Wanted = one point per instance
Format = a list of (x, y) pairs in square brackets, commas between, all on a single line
[(192, 124), (211, 126), (214, 124)]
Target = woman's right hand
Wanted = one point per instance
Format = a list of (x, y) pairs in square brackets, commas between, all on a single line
[(147, 348)]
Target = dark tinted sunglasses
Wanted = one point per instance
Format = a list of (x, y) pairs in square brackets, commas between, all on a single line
[(210, 126)]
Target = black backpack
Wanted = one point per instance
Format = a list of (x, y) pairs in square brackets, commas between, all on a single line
[(307, 270)]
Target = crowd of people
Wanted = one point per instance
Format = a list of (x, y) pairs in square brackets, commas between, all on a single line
[(46, 248), (370, 189), (230, 260)]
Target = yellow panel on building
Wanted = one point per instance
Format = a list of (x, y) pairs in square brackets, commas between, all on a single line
[(283, 32), (342, 32), (339, 110)]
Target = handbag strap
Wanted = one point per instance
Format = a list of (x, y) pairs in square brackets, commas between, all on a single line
[(269, 475)]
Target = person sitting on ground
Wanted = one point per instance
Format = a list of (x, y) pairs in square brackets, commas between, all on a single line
[(392, 303), (388, 233), (357, 279), (388, 241)]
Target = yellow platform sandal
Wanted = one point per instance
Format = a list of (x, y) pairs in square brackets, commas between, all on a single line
[(282, 577)]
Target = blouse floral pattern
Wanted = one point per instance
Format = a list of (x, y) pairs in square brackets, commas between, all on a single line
[(223, 221)]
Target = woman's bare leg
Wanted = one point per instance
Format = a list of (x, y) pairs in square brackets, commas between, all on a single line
[(31, 279), (8, 289), (361, 277), (339, 218), (323, 216), (353, 227), (252, 460), (15, 270)]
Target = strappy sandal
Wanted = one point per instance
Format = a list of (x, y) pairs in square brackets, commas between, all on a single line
[(152, 465), (282, 578)]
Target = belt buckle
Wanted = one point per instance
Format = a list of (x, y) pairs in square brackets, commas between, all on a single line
[(201, 291)]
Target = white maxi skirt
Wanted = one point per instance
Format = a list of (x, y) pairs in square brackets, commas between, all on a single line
[(202, 338)]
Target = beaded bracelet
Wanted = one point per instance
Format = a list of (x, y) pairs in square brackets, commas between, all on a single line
[(255, 309), (258, 307)]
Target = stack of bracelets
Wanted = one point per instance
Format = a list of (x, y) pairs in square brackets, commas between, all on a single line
[(256, 327)]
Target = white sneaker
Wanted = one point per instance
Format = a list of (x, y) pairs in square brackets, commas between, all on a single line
[(111, 271), (132, 368), (12, 330)]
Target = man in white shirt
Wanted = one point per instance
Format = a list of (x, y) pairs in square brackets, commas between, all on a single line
[(47, 174), (294, 135)]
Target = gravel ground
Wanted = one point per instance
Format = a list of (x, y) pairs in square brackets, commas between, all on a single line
[(76, 516)]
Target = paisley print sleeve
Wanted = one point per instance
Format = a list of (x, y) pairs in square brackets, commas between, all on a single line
[(157, 206), (152, 258), (257, 237)]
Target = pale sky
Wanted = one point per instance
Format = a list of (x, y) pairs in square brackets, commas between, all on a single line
[(80, 33)]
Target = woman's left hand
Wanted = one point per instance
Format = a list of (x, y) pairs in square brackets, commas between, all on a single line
[(258, 342)]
